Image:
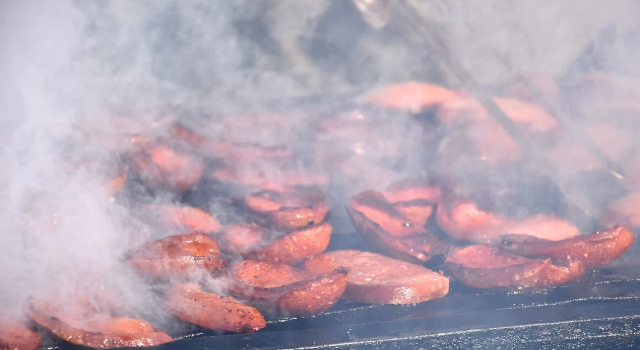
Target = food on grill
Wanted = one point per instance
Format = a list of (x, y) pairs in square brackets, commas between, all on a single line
[(180, 256), (546, 85), (625, 211), (570, 156), (188, 137), (285, 290), (249, 152), (95, 330), (463, 219), (15, 335), (289, 207), (254, 242), (190, 303), (229, 151), (530, 117), (488, 267), (238, 239), (594, 250), (375, 207), (117, 182), (252, 179), (412, 96), (414, 198), (181, 218), (390, 232), (377, 279), (164, 166)]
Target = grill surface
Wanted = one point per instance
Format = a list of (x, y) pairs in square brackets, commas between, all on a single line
[(601, 311)]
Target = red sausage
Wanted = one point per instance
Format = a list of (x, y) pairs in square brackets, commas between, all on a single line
[(190, 303), (377, 279)]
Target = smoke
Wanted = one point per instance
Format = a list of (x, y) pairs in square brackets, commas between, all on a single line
[(68, 66)]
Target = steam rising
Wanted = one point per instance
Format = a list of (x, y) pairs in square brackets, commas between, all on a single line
[(66, 65)]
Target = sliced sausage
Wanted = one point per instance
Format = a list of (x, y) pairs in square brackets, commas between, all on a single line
[(190, 303), (164, 166), (377, 279), (488, 267), (376, 208), (463, 219), (285, 290), (238, 239), (570, 156), (179, 256), (253, 179), (288, 207), (97, 330), (181, 218), (293, 247), (373, 216), (594, 250), (466, 110), (412, 96), (413, 198), (15, 335)]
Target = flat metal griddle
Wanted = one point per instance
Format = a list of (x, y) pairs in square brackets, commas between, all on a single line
[(600, 311)]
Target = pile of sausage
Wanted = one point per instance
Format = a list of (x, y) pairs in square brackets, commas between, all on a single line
[(267, 251)]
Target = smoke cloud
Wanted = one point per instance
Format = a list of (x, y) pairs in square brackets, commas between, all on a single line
[(67, 66)]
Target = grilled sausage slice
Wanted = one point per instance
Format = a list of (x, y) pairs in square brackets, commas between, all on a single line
[(230, 151), (15, 335), (462, 219), (413, 198), (253, 179), (594, 250), (164, 166), (238, 239), (285, 290), (377, 279), (181, 219), (375, 207), (190, 303), (411, 95), (179, 256), (97, 330), (466, 110), (288, 207), (293, 247), (488, 267), (373, 217)]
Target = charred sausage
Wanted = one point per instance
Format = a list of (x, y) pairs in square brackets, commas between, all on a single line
[(285, 290), (96, 330), (377, 279), (287, 207), (594, 250), (178, 256), (190, 303), (293, 247), (488, 267), (390, 232), (463, 219)]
